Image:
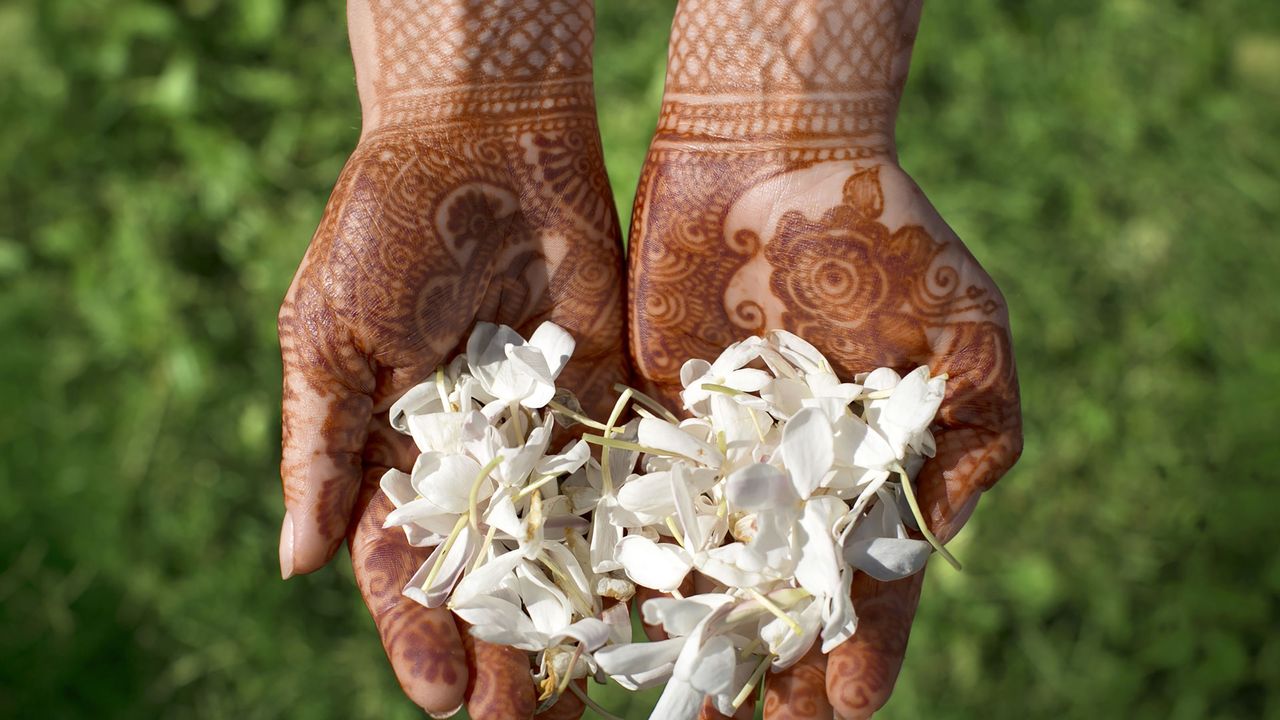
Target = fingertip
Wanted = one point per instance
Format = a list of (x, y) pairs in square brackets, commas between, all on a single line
[(286, 547), (501, 686), (421, 643), (862, 672)]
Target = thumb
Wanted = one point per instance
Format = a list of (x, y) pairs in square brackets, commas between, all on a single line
[(327, 405)]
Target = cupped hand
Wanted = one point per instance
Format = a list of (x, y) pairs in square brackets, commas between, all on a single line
[(842, 248), (425, 234)]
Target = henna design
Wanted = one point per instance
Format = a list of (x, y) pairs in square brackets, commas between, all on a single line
[(799, 692), (477, 192), (862, 671), (771, 198), (421, 644)]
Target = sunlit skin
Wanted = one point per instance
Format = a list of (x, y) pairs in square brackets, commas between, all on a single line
[(477, 192), (772, 198)]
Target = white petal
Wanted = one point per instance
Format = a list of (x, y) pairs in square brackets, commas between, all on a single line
[(747, 380), (862, 446), (887, 559), (759, 487), (839, 621), (713, 671), (693, 370), (396, 486), (653, 565), (808, 449), (606, 534), (648, 497), (568, 461), (798, 351), (590, 633), (682, 616), (686, 511), (484, 579), (818, 568), (530, 363), (420, 511), (418, 400), (785, 643), (496, 620), (454, 563), (446, 480), (881, 379), (569, 565), (736, 356), (556, 345), (638, 666), (548, 608), (662, 435), (735, 565), (487, 360), (437, 432)]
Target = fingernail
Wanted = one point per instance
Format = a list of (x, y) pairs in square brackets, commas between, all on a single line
[(449, 714), (286, 547)]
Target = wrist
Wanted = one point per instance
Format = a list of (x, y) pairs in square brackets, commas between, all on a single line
[(819, 72), (472, 62)]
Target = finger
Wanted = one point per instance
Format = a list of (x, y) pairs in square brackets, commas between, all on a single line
[(800, 691), (981, 418), (421, 643), (568, 707), (501, 687), (326, 410), (861, 672)]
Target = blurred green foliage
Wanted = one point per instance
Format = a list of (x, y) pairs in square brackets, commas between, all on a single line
[(1114, 163)]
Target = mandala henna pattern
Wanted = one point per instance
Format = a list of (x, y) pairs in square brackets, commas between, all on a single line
[(771, 198), (477, 192)]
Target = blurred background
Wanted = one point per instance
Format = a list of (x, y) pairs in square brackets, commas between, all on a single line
[(1115, 164)]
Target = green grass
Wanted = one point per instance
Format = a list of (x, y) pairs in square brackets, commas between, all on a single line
[(1115, 164)]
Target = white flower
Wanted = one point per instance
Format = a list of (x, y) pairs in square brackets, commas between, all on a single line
[(513, 371), (727, 371)]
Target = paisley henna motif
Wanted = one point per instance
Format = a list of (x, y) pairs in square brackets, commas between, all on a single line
[(477, 192), (771, 198)]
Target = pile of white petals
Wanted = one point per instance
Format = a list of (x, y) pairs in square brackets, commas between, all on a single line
[(782, 483)]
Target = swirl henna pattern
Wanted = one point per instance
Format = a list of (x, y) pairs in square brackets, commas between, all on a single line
[(477, 192), (772, 198)]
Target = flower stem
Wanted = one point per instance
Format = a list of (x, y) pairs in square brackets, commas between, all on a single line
[(724, 389), (473, 499), (444, 553), (606, 475), (649, 402), (515, 418), (779, 612), (535, 485), (579, 417), (595, 706), (441, 388), (924, 528), (675, 532), (625, 445), (484, 548), (745, 692)]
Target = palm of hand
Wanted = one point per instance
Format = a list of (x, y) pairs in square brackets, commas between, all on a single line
[(851, 256), (424, 236)]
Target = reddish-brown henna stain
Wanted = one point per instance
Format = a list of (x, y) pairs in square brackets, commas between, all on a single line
[(477, 192), (771, 198)]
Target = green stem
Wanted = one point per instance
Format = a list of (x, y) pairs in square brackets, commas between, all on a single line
[(579, 417), (444, 553), (473, 498), (649, 402), (924, 528)]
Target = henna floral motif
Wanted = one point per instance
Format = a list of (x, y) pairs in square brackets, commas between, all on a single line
[(771, 198), (477, 192)]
